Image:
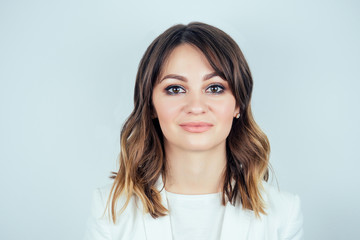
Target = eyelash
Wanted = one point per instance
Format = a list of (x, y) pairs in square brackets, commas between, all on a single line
[(171, 87)]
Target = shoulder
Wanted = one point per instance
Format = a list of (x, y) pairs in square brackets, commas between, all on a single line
[(99, 198), (102, 194), (100, 225), (283, 209), (278, 201)]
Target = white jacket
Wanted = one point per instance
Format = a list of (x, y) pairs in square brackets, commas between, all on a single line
[(284, 219)]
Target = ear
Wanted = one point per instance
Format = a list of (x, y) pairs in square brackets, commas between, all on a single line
[(153, 114), (153, 111), (236, 111)]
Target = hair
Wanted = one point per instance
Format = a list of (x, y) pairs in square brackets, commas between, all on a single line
[(142, 157)]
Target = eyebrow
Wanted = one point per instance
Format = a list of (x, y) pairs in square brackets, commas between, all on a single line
[(182, 78)]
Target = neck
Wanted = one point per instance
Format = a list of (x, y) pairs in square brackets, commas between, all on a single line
[(195, 172)]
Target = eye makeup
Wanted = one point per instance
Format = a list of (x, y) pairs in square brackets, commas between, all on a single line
[(174, 89)]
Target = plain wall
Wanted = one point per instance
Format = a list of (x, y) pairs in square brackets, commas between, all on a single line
[(67, 71)]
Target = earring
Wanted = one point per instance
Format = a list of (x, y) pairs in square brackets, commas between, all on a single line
[(237, 115)]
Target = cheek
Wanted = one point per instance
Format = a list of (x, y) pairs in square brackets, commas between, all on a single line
[(225, 109), (225, 117), (166, 109)]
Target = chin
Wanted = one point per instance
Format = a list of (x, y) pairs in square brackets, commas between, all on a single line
[(198, 146)]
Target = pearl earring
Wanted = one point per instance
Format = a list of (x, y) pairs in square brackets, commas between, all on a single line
[(238, 115)]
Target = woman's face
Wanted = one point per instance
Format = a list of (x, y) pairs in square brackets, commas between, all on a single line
[(195, 107)]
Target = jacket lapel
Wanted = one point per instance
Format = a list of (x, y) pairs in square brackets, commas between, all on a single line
[(159, 228), (236, 223)]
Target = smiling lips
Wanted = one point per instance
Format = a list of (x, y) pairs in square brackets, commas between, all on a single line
[(196, 127)]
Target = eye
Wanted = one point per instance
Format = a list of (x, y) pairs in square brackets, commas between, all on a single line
[(216, 88), (174, 89)]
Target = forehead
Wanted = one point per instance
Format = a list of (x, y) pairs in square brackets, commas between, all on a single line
[(185, 57)]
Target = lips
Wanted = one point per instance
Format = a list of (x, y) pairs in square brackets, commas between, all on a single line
[(196, 127)]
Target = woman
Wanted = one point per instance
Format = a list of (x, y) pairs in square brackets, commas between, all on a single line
[(193, 163)]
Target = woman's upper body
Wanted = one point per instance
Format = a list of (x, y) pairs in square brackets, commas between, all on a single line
[(283, 219), (192, 125)]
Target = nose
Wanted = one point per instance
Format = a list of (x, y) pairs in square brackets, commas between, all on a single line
[(196, 104)]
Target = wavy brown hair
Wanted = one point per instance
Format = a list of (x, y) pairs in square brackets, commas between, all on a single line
[(142, 156)]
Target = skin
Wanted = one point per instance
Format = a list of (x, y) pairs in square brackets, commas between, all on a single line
[(196, 161)]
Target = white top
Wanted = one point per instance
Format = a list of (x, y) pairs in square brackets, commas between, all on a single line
[(283, 219), (197, 217)]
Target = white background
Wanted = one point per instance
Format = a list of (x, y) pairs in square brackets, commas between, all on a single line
[(67, 71)]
